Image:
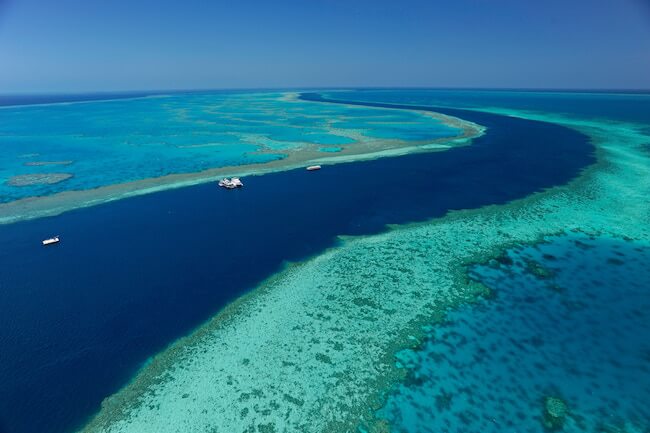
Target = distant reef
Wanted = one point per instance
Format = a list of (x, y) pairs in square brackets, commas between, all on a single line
[(38, 179), (39, 163)]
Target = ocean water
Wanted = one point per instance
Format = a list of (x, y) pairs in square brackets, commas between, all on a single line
[(568, 319), (617, 106), (312, 348), (93, 143), (14, 100), (132, 276)]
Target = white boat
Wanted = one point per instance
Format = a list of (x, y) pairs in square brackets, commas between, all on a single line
[(51, 241), (313, 167), (233, 183)]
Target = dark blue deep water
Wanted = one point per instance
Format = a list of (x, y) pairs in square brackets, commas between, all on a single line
[(6, 100), (627, 107), (78, 319)]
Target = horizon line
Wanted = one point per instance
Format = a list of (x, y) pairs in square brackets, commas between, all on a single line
[(629, 90)]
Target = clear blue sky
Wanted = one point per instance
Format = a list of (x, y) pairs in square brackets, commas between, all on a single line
[(105, 45)]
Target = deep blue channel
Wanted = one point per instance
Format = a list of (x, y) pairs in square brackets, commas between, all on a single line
[(129, 277)]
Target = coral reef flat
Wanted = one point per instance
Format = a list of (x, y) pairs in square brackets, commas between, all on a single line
[(38, 179), (126, 147), (41, 163), (313, 348)]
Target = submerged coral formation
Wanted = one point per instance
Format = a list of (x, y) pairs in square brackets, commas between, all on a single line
[(581, 347), (38, 179), (555, 413), (42, 163)]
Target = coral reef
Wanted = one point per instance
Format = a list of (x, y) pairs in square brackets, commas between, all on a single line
[(38, 179)]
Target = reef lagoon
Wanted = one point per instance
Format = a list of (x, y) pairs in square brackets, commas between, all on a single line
[(499, 285)]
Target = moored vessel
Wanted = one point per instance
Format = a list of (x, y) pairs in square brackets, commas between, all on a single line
[(52, 240), (232, 183)]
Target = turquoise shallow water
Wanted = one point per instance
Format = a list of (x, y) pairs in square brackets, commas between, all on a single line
[(569, 319), (100, 143)]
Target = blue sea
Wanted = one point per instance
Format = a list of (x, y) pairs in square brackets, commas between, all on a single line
[(621, 106), (131, 276)]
